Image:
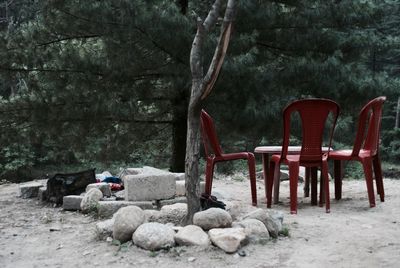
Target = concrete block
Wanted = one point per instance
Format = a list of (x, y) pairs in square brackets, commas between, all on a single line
[(102, 186), (72, 202), (29, 190), (179, 176), (152, 185), (181, 190), (42, 193), (106, 209), (167, 202)]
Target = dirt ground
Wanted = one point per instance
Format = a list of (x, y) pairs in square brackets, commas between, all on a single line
[(352, 235)]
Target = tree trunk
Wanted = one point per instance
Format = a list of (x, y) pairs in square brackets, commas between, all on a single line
[(201, 88), (397, 122), (192, 177), (179, 130)]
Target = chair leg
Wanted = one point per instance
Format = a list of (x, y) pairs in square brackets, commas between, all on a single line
[(293, 177), (209, 175), (325, 180), (269, 181), (314, 184), (307, 183), (367, 165), (338, 169), (252, 173), (378, 177)]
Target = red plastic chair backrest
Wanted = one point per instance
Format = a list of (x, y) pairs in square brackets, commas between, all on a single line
[(369, 125), (313, 114), (209, 134)]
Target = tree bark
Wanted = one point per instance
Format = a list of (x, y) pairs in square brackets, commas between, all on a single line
[(179, 130), (201, 88)]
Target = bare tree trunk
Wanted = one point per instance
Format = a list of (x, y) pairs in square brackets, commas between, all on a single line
[(201, 88), (179, 130), (397, 122)]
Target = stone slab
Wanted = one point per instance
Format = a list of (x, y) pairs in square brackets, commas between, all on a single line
[(72, 202), (106, 209), (29, 190), (153, 185)]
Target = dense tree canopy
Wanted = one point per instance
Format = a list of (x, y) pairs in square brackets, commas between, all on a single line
[(107, 82)]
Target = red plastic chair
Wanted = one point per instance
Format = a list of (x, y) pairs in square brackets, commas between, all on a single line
[(211, 143), (313, 114), (365, 150)]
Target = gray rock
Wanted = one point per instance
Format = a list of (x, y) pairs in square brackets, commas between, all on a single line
[(192, 235), (91, 200), (106, 209), (29, 190), (153, 216), (228, 239), (127, 220), (154, 236), (255, 230), (174, 213), (72, 202), (212, 218), (104, 229), (273, 224)]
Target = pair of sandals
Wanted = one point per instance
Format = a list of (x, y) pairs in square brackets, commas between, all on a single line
[(210, 201)]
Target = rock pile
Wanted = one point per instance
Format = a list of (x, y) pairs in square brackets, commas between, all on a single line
[(154, 230), (153, 208)]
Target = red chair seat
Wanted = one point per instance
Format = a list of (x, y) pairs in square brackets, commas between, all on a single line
[(365, 150), (313, 114), (211, 143)]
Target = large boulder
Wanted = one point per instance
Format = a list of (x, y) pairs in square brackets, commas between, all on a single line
[(154, 236), (126, 221), (90, 200), (192, 235), (212, 218), (104, 229), (272, 220)]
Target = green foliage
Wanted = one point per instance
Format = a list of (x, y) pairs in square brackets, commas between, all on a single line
[(285, 232), (105, 83)]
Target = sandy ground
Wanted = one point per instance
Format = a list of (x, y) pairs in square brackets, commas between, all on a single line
[(352, 235)]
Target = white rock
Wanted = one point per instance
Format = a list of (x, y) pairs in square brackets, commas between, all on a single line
[(154, 236), (175, 213), (228, 239), (192, 235)]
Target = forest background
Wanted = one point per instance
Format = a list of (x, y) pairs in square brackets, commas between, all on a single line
[(106, 84)]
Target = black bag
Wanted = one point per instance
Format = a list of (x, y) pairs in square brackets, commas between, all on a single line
[(209, 201), (61, 185)]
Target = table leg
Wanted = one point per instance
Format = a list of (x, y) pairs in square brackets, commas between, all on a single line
[(338, 170), (307, 182), (265, 161), (314, 186)]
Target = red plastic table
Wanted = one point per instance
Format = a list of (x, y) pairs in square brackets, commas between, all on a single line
[(266, 151)]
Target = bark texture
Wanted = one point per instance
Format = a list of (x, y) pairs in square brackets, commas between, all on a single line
[(202, 86)]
